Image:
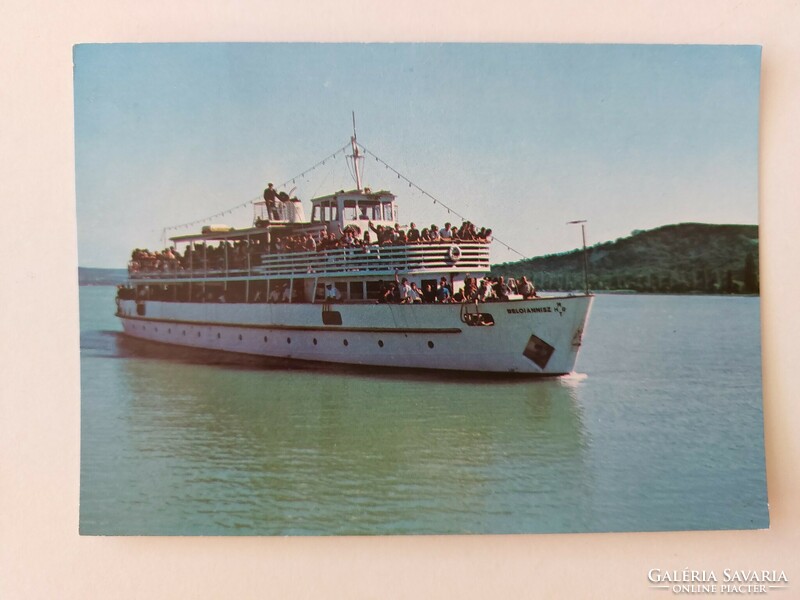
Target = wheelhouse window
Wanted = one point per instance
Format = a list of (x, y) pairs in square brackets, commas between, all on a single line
[(350, 210), (362, 210), (325, 212)]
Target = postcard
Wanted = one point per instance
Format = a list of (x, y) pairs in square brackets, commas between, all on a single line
[(396, 289)]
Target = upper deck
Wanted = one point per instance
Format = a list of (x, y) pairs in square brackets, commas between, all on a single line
[(266, 251), (350, 263)]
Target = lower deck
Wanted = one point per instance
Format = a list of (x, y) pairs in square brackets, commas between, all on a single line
[(540, 336)]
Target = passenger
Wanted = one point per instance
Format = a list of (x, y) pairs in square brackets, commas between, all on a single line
[(443, 293), (445, 233), (386, 293), (526, 288), (271, 200), (415, 294), (383, 234), (434, 232), (501, 289), (425, 236), (332, 293), (347, 240), (413, 234), (428, 294), (404, 288), (467, 232), (275, 295), (287, 294), (470, 289), (483, 290), (490, 295)]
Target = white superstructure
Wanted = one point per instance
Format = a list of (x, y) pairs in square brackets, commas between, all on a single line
[(248, 291)]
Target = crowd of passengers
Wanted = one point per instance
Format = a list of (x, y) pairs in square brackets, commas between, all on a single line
[(400, 291), (214, 257), (487, 289), (352, 237)]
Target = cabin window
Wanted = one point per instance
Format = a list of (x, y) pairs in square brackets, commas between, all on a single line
[(373, 290), (315, 213), (356, 290), (387, 212)]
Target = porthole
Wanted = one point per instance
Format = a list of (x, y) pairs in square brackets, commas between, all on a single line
[(430, 344), (169, 330), (345, 342), (315, 341), (218, 335), (240, 337), (184, 332), (198, 334), (266, 339), (288, 340), (156, 329), (380, 343)]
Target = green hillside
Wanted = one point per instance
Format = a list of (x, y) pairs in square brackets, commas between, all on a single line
[(96, 276), (682, 258)]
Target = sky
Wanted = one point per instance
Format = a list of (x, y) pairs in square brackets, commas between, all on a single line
[(517, 137)]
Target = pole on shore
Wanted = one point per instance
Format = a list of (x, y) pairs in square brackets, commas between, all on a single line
[(582, 223)]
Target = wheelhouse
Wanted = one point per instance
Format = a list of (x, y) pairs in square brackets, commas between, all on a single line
[(356, 208)]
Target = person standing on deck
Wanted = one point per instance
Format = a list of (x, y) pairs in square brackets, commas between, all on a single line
[(271, 200)]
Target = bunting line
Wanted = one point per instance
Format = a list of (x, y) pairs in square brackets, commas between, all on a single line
[(411, 184), (257, 198), (322, 162)]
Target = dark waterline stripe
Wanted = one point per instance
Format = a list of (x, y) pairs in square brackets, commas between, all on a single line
[(295, 327)]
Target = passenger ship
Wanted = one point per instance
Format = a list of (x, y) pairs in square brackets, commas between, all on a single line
[(223, 303)]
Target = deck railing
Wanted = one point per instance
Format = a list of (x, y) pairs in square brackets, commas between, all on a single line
[(369, 260)]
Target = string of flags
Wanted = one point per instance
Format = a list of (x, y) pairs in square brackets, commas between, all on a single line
[(435, 200), (321, 163), (230, 210)]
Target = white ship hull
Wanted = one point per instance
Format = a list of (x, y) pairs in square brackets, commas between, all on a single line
[(541, 336)]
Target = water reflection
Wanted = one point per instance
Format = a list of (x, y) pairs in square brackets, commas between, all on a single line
[(322, 452)]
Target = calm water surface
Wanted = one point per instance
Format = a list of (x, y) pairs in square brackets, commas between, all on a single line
[(661, 429)]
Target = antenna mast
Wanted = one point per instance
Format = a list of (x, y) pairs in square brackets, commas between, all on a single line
[(582, 223), (356, 155)]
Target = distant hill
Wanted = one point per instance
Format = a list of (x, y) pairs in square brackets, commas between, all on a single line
[(94, 276), (682, 258)]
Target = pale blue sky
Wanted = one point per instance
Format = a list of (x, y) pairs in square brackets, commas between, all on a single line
[(520, 138)]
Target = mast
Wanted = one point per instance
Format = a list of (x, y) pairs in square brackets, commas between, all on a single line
[(582, 223), (355, 156)]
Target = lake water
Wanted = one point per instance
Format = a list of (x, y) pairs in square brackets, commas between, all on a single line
[(661, 429)]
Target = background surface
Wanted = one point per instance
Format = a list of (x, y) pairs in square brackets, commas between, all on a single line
[(42, 555)]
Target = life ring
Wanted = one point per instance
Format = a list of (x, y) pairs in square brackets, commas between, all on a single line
[(453, 253)]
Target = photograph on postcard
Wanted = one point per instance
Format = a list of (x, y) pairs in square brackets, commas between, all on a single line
[(377, 289)]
